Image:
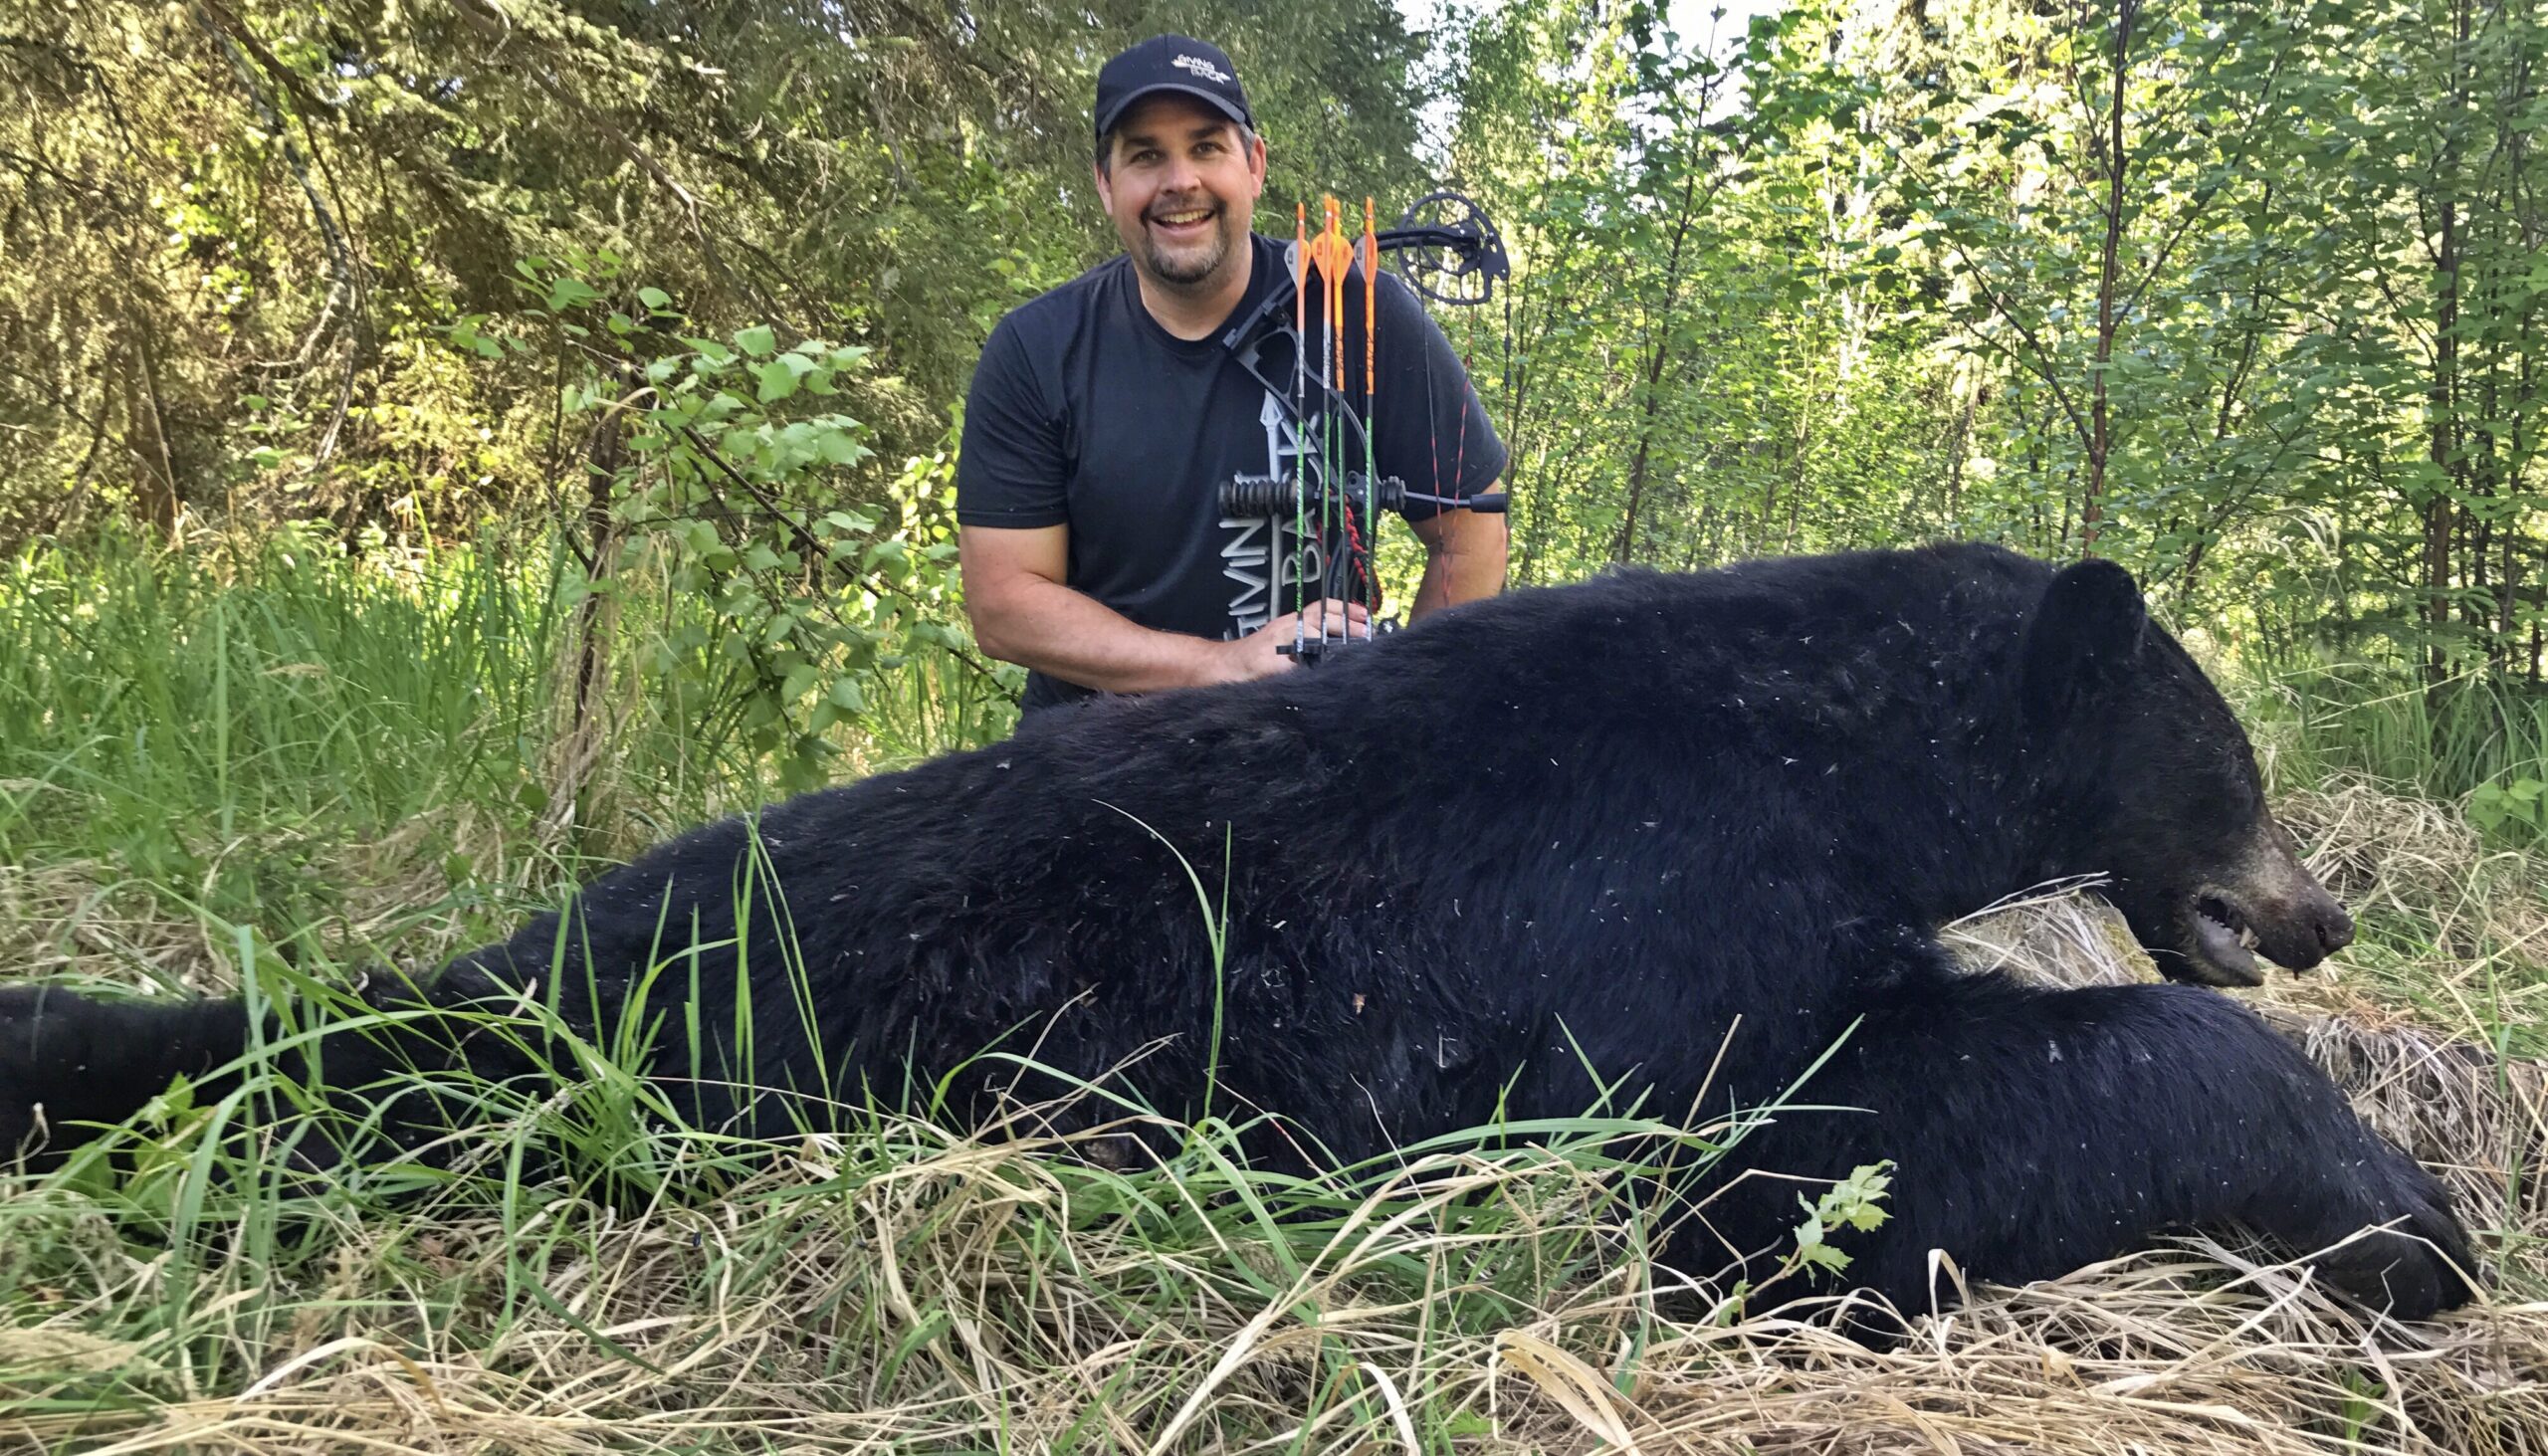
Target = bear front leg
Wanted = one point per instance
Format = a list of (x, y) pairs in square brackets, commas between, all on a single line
[(2037, 1131)]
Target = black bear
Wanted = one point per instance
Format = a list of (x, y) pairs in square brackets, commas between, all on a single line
[(1675, 836)]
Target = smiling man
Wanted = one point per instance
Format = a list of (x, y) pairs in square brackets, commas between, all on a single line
[(1104, 416)]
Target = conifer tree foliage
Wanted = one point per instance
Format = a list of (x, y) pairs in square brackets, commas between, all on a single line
[(236, 236)]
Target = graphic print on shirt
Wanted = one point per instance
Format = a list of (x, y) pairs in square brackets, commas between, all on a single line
[(1252, 546)]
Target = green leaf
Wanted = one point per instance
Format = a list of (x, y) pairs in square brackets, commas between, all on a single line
[(569, 292), (778, 381), (757, 341)]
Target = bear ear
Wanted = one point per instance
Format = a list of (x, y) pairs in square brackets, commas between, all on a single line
[(2084, 639)]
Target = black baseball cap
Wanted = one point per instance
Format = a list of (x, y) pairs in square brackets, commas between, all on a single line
[(1170, 63)]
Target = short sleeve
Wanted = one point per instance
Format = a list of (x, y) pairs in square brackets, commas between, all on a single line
[(1430, 429), (1010, 469)]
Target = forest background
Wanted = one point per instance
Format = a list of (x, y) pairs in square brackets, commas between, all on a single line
[(622, 347)]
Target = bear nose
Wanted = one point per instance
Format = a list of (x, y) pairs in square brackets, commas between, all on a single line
[(2334, 927)]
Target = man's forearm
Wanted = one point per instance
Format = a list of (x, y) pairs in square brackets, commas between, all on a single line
[(1463, 566), (1070, 635)]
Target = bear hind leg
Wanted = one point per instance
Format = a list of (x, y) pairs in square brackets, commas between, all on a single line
[(69, 1062)]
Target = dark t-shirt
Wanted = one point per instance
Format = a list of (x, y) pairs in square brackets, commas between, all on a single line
[(1085, 412)]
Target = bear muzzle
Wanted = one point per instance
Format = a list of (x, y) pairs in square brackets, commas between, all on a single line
[(2271, 906)]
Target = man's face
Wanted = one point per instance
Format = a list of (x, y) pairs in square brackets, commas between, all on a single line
[(1182, 189)]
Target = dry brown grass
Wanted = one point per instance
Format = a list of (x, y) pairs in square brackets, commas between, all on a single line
[(941, 1294), (84, 920)]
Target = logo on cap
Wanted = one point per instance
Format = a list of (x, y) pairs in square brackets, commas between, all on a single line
[(1203, 68)]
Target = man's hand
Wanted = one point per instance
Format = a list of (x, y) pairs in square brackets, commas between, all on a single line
[(1259, 654)]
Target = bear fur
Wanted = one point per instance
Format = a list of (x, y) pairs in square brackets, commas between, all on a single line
[(1668, 838)]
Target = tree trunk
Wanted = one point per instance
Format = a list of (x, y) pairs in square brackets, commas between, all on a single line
[(2100, 436), (154, 465), (2442, 397), (1624, 548), (2478, 531), (581, 746), (1960, 440), (2508, 590)]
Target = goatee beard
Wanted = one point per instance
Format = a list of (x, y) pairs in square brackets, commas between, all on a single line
[(1194, 267)]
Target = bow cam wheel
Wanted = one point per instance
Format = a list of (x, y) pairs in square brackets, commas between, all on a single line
[(1448, 251)]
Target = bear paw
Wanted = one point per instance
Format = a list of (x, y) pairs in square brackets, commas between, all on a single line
[(2409, 1258)]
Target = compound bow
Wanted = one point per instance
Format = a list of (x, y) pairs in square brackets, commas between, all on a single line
[(1447, 251)]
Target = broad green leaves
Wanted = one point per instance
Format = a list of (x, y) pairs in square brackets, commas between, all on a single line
[(723, 473)]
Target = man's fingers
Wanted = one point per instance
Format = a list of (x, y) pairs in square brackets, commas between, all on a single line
[(1262, 652)]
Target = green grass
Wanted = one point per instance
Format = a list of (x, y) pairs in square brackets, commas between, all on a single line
[(205, 727), (2442, 742), (573, 1230), (2451, 906), (264, 769), (835, 1299), (240, 734)]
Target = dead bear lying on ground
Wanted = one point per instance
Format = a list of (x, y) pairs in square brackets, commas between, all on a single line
[(1639, 828)]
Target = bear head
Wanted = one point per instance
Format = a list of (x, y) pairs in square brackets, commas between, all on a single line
[(2161, 789)]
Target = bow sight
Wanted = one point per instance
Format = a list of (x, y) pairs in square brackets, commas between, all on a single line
[(1447, 251)]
